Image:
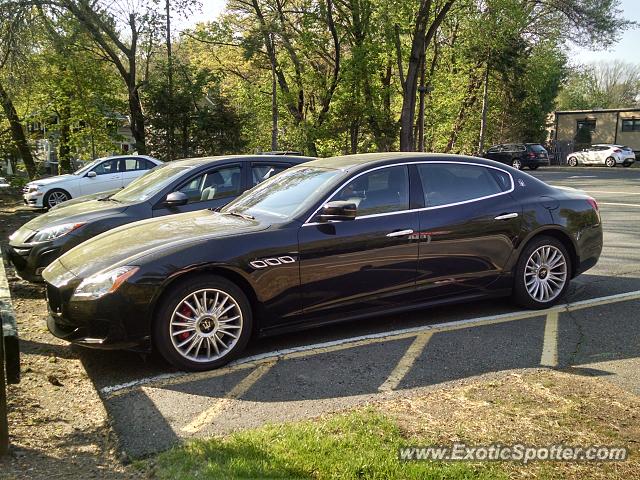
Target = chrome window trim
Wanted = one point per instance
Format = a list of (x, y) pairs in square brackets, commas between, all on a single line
[(373, 215)]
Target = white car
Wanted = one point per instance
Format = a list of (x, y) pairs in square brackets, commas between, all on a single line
[(603, 154), (101, 175)]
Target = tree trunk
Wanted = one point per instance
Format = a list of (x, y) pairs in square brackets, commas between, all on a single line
[(17, 133), (137, 121), (170, 112), (422, 89), (470, 98), (274, 108), (485, 108), (64, 141), (422, 36)]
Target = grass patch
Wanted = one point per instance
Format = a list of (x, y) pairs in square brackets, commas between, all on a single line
[(361, 444)]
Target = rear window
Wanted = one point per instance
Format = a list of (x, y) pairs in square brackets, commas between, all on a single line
[(537, 148)]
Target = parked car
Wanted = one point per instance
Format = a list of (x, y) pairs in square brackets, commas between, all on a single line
[(330, 240), (519, 155), (4, 183), (174, 187), (100, 175), (603, 154)]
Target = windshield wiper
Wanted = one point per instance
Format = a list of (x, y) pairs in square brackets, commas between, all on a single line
[(241, 215), (108, 199)]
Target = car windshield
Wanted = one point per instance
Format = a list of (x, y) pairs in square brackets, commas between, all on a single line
[(88, 167), (149, 184), (285, 195)]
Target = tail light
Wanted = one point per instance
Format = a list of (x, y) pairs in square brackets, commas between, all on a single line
[(531, 155), (593, 203), (617, 150)]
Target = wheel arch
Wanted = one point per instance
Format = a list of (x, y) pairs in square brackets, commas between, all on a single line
[(559, 234), (224, 271), (64, 190)]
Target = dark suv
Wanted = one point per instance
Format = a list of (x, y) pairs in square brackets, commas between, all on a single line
[(519, 155)]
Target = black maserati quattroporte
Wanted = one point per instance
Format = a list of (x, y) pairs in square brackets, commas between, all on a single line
[(325, 241)]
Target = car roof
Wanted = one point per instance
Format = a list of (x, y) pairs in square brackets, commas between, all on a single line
[(368, 160), (195, 162)]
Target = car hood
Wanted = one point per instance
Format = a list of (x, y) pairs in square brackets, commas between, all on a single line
[(126, 244), (56, 179), (84, 198), (78, 213)]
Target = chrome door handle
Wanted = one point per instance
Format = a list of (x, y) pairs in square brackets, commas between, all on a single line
[(506, 216), (400, 233)]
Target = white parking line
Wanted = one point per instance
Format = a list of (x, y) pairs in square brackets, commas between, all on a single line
[(345, 343), (549, 356), (612, 193), (620, 204)]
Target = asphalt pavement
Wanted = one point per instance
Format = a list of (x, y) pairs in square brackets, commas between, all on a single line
[(326, 369)]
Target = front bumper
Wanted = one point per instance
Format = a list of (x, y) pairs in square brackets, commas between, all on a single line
[(33, 199), (30, 260), (112, 322)]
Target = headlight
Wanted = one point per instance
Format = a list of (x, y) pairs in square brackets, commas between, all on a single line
[(51, 233), (100, 284), (33, 188)]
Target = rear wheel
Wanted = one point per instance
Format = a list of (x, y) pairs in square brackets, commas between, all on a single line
[(610, 162), (54, 197), (517, 163), (542, 273), (534, 167), (572, 161), (202, 323)]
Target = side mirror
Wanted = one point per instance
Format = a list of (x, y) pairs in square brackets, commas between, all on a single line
[(338, 210), (176, 199), (91, 174)]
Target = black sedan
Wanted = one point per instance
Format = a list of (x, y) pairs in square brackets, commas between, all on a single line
[(174, 187), (331, 240)]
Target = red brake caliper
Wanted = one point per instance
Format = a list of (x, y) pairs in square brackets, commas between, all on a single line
[(186, 311)]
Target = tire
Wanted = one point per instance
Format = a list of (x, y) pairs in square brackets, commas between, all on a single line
[(526, 276), (517, 164), (610, 162), (572, 161), (55, 197), (176, 340), (534, 167)]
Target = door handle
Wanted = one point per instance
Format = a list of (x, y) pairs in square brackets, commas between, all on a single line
[(400, 233), (506, 216)]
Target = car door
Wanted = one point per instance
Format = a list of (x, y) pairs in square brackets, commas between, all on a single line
[(132, 168), (468, 228), (365, 264), (107, 177), (494, 153), (212, 188)]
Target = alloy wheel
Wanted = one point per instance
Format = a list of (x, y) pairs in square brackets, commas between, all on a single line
[(516, 164), (56, 197), (573, 162), (610, 162), (545, 273), (206, 325)]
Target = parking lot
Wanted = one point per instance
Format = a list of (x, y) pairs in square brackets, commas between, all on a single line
[(301, 375)]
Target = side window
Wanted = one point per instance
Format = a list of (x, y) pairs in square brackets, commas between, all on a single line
[(380, 191), (106, 167), (446, 183), (132, 164), (144, 164), (217, 183), (495, 149), (261, 171)]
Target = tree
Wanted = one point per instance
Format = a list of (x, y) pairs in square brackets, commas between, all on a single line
[(601, 85)]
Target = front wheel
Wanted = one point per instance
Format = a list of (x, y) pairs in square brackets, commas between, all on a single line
[(202, 323), (542, 273), (517, 164), (610, 162), (572, 161), (54, 197)]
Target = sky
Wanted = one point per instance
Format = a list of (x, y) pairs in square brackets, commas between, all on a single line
[(627, 49)]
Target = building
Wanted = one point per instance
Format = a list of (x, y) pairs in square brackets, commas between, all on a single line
[(616, 126)]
